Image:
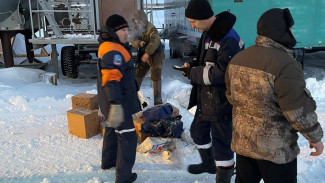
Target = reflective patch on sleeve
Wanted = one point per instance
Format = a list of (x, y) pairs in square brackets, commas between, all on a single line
[(206, 75), (117, 60), (241, 44)]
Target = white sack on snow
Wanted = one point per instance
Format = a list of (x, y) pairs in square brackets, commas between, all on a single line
[(154, 145)]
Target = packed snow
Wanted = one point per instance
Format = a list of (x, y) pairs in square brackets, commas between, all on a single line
[(36, 145)]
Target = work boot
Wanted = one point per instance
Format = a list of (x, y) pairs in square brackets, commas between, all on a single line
[(224, 174), (157, 92), (106, 167), (132, 178), (208, 165)]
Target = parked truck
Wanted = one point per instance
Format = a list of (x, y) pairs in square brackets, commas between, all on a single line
[(15, 18), (76, 22), (308, 28)]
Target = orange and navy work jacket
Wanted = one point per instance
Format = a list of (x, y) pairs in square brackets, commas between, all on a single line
[(116, 78)]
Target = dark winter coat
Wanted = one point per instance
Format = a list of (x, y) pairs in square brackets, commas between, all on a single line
[(270, 101), (208, 74), (116, 75)]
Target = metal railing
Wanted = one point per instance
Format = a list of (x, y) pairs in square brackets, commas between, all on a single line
[(63, 17)]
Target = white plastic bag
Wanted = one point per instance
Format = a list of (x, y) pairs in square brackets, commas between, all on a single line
[(154, 145), (144, 103)]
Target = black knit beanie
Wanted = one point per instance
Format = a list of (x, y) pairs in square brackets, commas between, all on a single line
[(116, 22), (275, 24), (198, 10)]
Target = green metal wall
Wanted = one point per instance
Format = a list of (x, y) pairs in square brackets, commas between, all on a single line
[(309, 16)]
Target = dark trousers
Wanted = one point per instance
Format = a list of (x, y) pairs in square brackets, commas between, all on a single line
[(119, 148), (250, 170), (221, 132)]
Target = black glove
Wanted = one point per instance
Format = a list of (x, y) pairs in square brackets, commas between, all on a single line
[(186, 71)]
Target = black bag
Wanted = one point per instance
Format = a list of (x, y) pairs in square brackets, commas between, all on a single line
[(168, 127), (158, 112)]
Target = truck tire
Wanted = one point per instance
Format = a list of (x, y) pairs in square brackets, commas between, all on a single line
[(174, 53), (69, 65)]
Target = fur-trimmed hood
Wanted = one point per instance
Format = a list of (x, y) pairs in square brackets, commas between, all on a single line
[(221, 26), (141, 16)]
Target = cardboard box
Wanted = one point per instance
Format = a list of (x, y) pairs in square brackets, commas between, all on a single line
[(137, 124), (102, 126), (85, 100), (83, 122), (175, 111)]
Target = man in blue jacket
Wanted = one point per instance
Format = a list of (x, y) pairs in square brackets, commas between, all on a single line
[(218, 44), (118, 99)]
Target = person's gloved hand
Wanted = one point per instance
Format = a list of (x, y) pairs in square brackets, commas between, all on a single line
[(115, 116)]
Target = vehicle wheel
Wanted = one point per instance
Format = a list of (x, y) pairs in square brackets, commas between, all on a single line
[(173, 52), (69, 65), (63, 63)]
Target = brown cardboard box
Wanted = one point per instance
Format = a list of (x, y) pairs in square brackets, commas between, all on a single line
[(102, 126), (85, 100), (175, 111), (83, 122), (137, 124)]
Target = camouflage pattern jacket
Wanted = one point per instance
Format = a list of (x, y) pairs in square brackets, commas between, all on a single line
[(271, 104), (149, 34)]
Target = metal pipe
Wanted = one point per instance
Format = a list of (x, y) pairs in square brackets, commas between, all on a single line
[(39, 22), (31, 18), (61, 11), (29, 46), (54, 59), (151, 15), (93, 10), (8, 57)]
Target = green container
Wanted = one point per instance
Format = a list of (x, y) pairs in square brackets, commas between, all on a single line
[(309, 17)]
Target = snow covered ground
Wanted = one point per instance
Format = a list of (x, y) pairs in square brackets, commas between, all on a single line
[(35, 145)]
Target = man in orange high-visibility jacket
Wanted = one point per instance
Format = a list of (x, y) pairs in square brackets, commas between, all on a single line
[(118, 99)]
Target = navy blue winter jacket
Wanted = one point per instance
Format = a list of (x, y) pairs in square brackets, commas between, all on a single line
[(116, 76), (208, 76)]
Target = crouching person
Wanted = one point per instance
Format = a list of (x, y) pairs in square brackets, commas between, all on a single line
[(118, 99)]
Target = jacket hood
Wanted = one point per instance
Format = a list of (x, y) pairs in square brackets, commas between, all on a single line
[(108, 34), (221, 26), (141, 16), (275, 24)]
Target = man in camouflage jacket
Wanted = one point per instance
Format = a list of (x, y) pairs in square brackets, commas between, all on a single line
[(266, 87), (151, 52)]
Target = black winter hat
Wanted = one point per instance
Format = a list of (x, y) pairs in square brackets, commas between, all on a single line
[(116, 22), (198, 10), (275, 24)]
